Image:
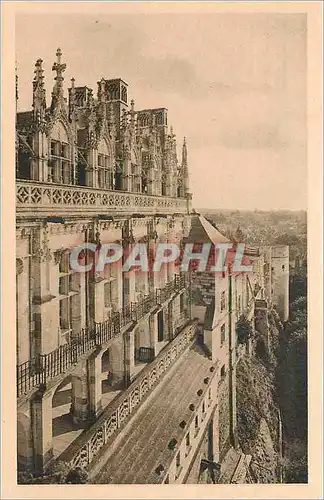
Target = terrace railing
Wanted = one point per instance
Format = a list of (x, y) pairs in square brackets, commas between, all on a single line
[(48, 198)]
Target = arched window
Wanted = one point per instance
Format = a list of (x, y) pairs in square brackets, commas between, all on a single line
[(124, 94), (24, 157), (59, 165), (113, 93), (105, 168)]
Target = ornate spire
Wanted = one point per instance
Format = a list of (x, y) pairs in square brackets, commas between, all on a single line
[(91, 119), (184, 153), (72, 98), (102, 94), (39, 93), (132, 115), (59, 68)]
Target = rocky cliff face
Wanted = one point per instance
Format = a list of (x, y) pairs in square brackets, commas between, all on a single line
[(258, 428)]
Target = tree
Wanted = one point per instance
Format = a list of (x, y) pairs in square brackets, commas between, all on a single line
[(244, 330)]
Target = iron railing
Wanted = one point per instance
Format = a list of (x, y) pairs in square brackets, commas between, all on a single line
[(43, 367), (144, 354)]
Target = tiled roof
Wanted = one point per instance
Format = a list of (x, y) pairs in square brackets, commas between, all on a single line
[(145, 444), (202, 231)]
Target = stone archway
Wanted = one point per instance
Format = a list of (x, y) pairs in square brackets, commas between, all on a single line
[(112, 376), (65, 428)]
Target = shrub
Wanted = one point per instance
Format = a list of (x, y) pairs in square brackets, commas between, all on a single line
[(77, 476), (59, 473), (244, 330)]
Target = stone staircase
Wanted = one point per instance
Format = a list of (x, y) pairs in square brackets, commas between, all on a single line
[(145, 444)]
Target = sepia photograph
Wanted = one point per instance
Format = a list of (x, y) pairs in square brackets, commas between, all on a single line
[(160, 314)]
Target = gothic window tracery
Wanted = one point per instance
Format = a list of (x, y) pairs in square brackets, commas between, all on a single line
[(113, 91), (124, 94), (105, 167), (144, 120), (60, 166), (24, 157)]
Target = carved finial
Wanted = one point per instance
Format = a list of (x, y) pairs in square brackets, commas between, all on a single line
[(39, 93), (171, 131), (184, 167), (102, 94), (132, 114), (184, 153), (59, 68), (72, 99)]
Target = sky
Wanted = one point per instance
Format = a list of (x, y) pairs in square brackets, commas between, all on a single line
[(234, 85)]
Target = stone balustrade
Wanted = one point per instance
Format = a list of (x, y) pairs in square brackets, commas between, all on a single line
[(47, 199), (87, 446)]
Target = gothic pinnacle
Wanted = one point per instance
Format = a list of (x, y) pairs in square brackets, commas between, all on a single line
[(39, 94), (102, 90), (59, 68), (184, 153), (39, 71)]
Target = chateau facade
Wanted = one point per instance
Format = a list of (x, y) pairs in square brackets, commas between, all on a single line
[(128, 374)]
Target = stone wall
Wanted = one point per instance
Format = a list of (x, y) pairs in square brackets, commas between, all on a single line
[(224, 414), (194, 476)]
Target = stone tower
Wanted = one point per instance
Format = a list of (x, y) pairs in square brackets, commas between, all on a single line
[(280, 280)]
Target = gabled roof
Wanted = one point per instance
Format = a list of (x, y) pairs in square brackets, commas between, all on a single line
[(203, 231)]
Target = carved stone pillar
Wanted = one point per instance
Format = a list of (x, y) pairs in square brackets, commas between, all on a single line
[(127, 172), (23, 309), (39, 165), (41, 407), (128, 356), (25, 452), (91, 170), (80, 406), (45, 314), (95, 389)]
